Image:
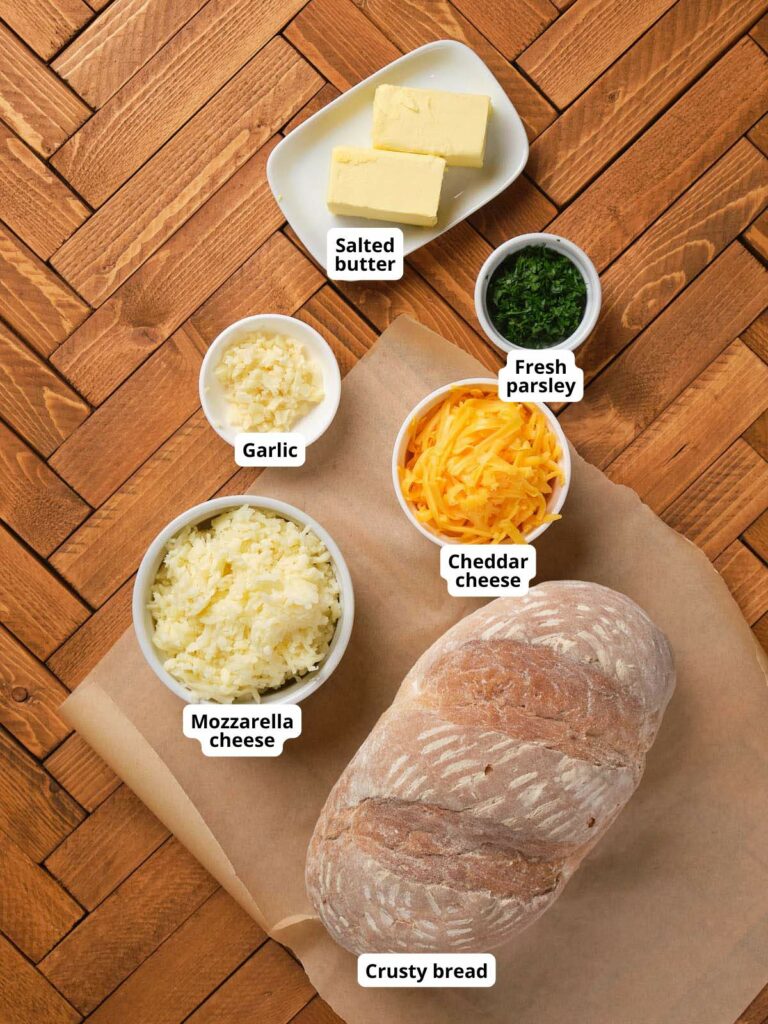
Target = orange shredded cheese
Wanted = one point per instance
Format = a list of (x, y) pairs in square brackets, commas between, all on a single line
[(480, 471)]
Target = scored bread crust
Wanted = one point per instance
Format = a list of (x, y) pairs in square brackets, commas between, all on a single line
[(510, 748)]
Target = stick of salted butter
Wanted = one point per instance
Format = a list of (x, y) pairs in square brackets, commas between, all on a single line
[(377, 185), (448, 124)]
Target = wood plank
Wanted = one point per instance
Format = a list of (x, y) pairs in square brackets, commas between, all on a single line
[(33, 300), (34, 203), (667, 356), (747, 579), (35, 912), (321, 99), (45, 25), (102, 454), (35, 811), (108, 847), (672, 153), (154, 301), (757, 435), (674, 250), (409, 24), (760, 32), (25, 996), (87, 646), (343, 328), (695, 429), (80, 770), (239, 483), (756, 535), (518, 210), (759, 134), (317, 1011), (270, 987), (640, 85), (192, 66), (45, 613), (107, 548), (170, 187), (580, 45), (34, 102), (120, 934), (757, 236), (30, 698), (34, 400), (383, 301), (186, 968), (707, 514), (34, 502), (451, 264), (112, 48), (756, 336), (344, 58), (509, 30), (277, 276)]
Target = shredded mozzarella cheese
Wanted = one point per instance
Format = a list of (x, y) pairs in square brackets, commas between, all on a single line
[(481, 471), (244, 605), (269, 382)]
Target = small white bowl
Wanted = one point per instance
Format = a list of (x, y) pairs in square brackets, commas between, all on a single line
[(556, 499), (150, 563), (213, 399), (562, 245)]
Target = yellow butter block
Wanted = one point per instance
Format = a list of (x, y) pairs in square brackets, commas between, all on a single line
[(448, 124), (378, 185)]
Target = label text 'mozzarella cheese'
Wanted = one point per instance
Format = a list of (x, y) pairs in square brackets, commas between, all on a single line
[(241, 730)]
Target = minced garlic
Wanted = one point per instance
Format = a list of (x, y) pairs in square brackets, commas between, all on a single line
[(243, 605), (269, 382)]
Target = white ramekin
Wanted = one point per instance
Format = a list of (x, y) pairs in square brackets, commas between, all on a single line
[(150, 563), (562, 245), (213, 399), (556, 499)]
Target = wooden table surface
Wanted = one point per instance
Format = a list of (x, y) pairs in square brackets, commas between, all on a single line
[(137, 222)]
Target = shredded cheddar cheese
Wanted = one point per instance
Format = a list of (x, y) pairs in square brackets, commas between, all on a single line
[(480, 471)]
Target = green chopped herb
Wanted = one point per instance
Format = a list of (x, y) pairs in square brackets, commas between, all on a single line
[(536, 297)]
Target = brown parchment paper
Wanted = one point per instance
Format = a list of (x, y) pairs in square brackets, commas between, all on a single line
[(667, 921)]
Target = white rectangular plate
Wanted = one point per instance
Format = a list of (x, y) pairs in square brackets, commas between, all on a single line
[(297, 169)]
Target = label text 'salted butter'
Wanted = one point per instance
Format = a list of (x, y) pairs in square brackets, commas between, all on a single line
[(360, 254)]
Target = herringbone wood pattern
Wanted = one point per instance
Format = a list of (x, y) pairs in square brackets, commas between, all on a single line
[(136, 222)]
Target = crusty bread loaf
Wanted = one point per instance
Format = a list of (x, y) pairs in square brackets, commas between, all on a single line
[(510, 748)]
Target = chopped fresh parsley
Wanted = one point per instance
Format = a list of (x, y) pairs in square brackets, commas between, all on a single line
[(536, 297)]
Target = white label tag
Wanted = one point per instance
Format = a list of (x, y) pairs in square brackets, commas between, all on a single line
[(541, 377), (364, 254), (270, 450), (488, 570), (426, 970), (241, 730)]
